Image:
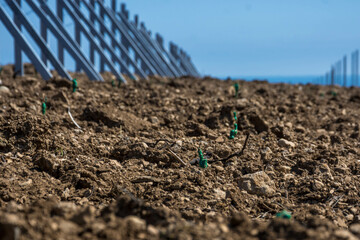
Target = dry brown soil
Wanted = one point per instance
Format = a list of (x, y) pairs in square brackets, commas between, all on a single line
[(115, 178)]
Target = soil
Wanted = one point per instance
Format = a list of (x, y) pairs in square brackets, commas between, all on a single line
[(118, 177)]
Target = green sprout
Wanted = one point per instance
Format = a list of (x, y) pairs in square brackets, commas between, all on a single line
[(120, 82), (113, 83), (236, 86), (333, 93), (75, 85), (203, 162), (284, 214), (43, 106), (1, 69), (59, 152), (233, 132)]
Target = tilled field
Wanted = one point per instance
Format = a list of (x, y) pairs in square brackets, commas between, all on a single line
[(120, 177)]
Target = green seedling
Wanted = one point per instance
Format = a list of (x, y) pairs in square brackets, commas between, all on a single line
[(43, 107), (283, 214), (113, 83), (59, 152), (75, 85), (1, 69), (232, 134), (236, 86), (322, 95), (203, 162), (333, 93), (119, 82)]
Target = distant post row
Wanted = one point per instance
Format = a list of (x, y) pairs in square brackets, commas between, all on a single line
[(338, 72)]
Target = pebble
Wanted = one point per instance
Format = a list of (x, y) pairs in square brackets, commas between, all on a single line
[(136, 223), (220, 139), (153, 230), (224, 228), (285, 169), (285, 143), (317, 185), (28, 182), (242, 103), (258, 183), (4, 90), (219, 168), (300, 129), (219, 194), (154, 120)]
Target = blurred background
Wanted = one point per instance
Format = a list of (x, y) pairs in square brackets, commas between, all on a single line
[(278, 40)]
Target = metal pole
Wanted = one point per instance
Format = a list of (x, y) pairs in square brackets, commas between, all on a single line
[(92, 20), (19, 69), (59, 13)]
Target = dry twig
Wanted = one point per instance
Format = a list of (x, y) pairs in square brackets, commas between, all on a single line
[(177, 157), (237, 154)]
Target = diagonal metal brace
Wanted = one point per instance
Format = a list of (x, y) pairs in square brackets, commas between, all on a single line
[(24, 45), (44, 47)]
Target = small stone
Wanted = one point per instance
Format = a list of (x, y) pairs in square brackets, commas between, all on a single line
[(266, 154), (144, 145), (28, 182), (258, 183), (285, 143), (152, 230), (242, 103), (285, 169), (324, 170), (66, 193), (135, 223), (224, 228), (154, 120), (4, 90), (219, 139), (219, 194), (350, 217), (218, 168), (317, 185), (300, 129), (353, 210), (179, 143)]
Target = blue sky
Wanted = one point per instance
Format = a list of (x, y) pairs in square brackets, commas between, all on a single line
[(250, 37)]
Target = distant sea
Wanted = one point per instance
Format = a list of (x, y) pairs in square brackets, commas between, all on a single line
[(282, 79)]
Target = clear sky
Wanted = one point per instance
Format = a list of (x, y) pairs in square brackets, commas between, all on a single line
[(249, 37)]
